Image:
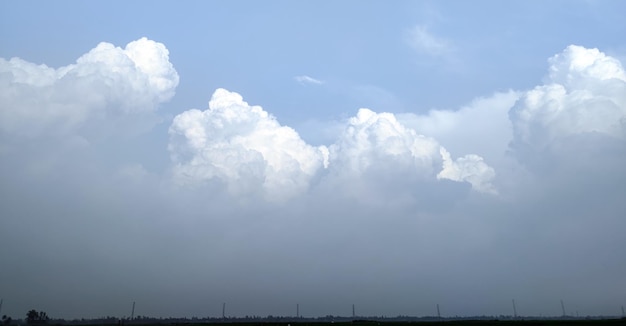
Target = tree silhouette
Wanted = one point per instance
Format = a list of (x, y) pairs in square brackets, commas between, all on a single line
[(34, 317), (6, 320)]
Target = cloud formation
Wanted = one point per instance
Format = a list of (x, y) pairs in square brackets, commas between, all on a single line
[(244, 147), (380, 142), (482, 126), (247, 149), (469, 168), (425, 42), (304, 79), (328, 241), (584, 92), (372, 140), (108, 82)]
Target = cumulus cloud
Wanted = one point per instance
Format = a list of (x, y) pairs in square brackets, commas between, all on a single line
[(304, 79), (244, 147), (412, 164), (107, 82), (372, 139), (470, 168), (378, 141), (585, 92), (482, 126)]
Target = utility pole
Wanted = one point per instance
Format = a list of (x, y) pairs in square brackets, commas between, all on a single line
[(297, 310), (514, 310), (224, 310), (623, 314), (438, 313), (353, 314), (563, 308), (132, 314)]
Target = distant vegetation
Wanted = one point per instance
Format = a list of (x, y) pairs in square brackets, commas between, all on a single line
[(443, 322), (33, 317), (6, 320)]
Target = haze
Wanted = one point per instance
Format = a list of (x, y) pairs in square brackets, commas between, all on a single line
[(393, 156)]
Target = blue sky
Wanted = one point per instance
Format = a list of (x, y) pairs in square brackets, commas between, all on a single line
[(257, 48), (391, 155)]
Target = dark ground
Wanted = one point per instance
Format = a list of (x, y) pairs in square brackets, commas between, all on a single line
[(574, 322)]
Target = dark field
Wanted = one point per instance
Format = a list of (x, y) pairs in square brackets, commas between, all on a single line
[(581, 322), (607, 322)]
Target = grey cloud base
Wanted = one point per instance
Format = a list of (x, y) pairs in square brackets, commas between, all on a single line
[(250, 214)]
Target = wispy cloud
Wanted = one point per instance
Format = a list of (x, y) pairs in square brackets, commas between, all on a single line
[(424, 41), (304, 79)]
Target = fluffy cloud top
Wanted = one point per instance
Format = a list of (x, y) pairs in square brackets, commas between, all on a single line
[(243, 146), (379, 141), (247, 149), (108, 81), (469, 168), (373, 139), (585, 92)]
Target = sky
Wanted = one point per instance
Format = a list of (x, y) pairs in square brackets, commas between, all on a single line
[(264, 154)]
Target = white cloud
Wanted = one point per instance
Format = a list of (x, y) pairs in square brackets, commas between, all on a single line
[(379, 142), (424, 41), (482, 127), (244, 147), (585, 92), (577, 65), (397, 161), (469, 168), (107, 82), (371, 139), (248, 150), (304, 79)]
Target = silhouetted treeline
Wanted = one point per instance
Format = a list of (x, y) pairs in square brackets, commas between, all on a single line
[(271, 320)]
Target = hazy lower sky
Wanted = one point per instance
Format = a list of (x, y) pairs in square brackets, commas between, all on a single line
[(392, 155)]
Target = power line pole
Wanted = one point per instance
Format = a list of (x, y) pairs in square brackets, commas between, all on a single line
[(563, 308), (132, 314), (297, 310), (353, 314), (438, 313), (514, 310)]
